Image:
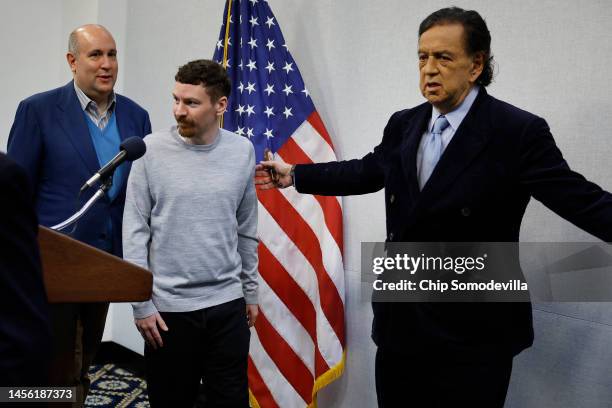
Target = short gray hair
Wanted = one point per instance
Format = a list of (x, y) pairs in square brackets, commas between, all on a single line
[(73, 42)]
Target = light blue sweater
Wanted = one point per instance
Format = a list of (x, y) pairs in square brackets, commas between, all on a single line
[(191, 218)]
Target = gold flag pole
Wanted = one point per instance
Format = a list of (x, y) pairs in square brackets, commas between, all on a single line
[(227, 30)]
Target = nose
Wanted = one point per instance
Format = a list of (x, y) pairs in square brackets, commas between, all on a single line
[(107, 62), (179, 109), (430, 67)]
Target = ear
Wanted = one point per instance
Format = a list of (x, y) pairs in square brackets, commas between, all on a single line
[(221, 105), (478, 61), (71, 61)]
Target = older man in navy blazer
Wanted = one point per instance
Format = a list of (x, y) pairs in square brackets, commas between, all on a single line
[(461, 167), (61, 138)]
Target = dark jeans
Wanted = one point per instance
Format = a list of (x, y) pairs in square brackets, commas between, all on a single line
[(433, 381), (211, 345)]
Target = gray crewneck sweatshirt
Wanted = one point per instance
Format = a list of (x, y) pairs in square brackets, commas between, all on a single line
[(191, 218)]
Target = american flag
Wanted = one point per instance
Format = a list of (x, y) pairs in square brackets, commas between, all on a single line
[(298, 343)]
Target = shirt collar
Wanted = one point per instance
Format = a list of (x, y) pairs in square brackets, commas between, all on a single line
[(456, 116), (85, 100)]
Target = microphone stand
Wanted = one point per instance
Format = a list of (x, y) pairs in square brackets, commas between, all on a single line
[(106, 185)]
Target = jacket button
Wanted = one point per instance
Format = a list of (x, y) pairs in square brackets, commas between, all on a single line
[(390, 236), (392, 198), (465, 211)]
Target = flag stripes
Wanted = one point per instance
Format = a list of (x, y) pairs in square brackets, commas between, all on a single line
[(298, 343), (300, 233)]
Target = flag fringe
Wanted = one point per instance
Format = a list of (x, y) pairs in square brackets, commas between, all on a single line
[(226, 40), (252, 400), (321, 382), (327, 378), (227, 30)]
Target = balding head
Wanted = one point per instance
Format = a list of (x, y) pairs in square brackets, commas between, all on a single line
[(92, 57), (85, 30)]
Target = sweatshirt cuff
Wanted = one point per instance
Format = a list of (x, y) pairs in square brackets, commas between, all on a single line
[(144, 309), (250, 298)]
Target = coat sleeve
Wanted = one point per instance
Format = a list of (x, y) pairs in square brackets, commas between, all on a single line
[(548, 178), (351, 177), (25, 142)]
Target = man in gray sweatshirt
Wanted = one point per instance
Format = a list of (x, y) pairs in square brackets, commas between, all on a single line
[(191, 219)]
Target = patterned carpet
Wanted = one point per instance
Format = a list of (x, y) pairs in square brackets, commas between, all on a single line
[(115, 387)]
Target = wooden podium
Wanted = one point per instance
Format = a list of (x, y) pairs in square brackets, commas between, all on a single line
[(76, 272)]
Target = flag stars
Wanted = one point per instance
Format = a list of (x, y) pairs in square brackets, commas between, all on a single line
[(270, 22), (288, 67), (269, 89), (270, 67), (253, 46), (287, 89), (270, 45), (250, 87), (269, 111)]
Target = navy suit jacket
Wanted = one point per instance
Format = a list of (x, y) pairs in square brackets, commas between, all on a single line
[(498, 159), (51, 140), (25, 333)]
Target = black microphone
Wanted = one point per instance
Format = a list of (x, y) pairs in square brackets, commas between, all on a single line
[(130, 149)]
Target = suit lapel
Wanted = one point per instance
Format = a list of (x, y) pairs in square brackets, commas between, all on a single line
[(72, 120), (125, 131), (466, 144), (410, 146), (122, 122)]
